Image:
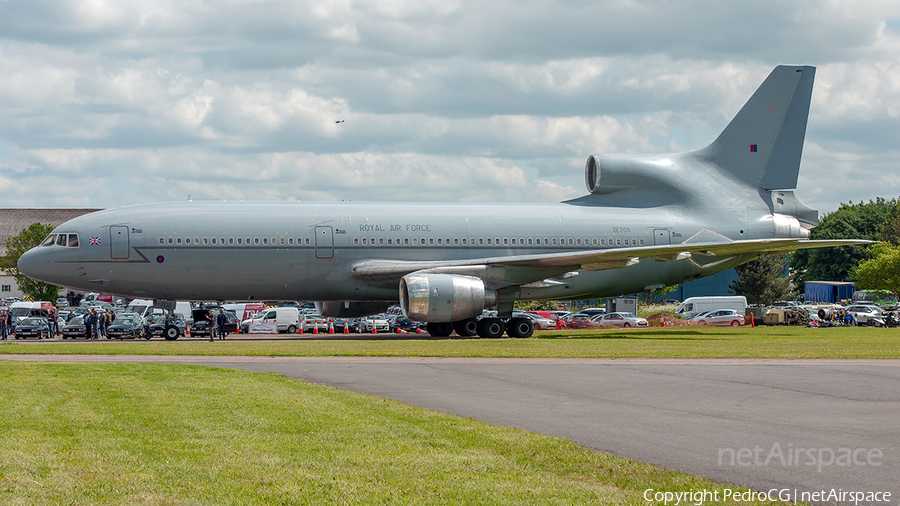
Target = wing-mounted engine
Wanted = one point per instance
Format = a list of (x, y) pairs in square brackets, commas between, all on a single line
[(444, 297), (352, 309)]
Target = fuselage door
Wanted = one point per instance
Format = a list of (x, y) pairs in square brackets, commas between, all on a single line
[(119, 249), (324, 243), (662, 236)]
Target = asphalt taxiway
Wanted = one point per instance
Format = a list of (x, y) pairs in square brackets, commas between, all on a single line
[(795, 425)]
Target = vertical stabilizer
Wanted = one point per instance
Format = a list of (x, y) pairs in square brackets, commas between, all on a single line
[(763, 143)]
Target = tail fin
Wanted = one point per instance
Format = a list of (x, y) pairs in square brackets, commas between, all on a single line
[(763, 143)]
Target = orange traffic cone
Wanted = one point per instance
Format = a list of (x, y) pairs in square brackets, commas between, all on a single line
[(662, 323), (331, 326), (374, 330), (316, 329), (346, 327)]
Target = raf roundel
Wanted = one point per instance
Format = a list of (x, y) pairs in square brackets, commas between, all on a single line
[(160, 259)]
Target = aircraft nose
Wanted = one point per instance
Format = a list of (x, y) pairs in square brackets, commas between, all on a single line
[(31, 265)]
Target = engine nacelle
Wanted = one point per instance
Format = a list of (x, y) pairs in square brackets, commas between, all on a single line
[(353, 308), (439, 298)]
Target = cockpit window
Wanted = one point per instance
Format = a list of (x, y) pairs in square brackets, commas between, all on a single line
[(61, 240), (73, 240), (49, 241), (64, 240)]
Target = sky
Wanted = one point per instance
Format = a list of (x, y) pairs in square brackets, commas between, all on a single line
[(111, 103)]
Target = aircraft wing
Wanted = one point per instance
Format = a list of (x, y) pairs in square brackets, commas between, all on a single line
[(525, 269)]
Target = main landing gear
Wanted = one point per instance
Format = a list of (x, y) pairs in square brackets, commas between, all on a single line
[(488, 328)]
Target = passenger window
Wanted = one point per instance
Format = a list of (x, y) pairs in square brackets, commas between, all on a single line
[(570, 242), (505, 241), (169, 240), (381, 241), (456, 241), (577, 241), (547, 242), (281, 241), (521, 241), (415, 241), (594, 241), (206, 241), (50, 240), (489, 241), (497, 241), (178, 241), (554, 241), (61, 240), (231, 240), (290, 241), (641, 242), (356, 240), (162, 241), (440, 241), (197, 241), (265, 240), (431, 240), (365, 240), (307, 241), (530, 241), (240, 241), (406, 240), (213, 240), (618, 241)]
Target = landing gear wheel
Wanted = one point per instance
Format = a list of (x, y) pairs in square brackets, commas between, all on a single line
[(520, 328), (491, 328), (171, 333), (466, 328), (440, 329)]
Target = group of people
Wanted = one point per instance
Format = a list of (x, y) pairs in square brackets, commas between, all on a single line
[(216, 325)]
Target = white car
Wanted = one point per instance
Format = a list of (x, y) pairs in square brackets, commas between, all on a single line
[(862, 313), (540, 323), (314, 321), (623, 320), (720, 317), (378, 322)]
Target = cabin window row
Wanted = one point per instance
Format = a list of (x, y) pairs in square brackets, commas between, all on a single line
[(496, 241), (232, 241)]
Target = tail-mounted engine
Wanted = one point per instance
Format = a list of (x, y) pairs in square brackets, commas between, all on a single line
[(444, 297)]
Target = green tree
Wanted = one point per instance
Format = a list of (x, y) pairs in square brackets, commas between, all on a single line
[(537, 305), (16, 246), (764, 280), (850, 221), (890, 231), (882, 271)]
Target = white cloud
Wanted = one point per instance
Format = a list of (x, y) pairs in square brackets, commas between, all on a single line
[(443, 100)]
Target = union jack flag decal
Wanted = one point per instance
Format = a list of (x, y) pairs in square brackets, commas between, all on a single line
[(94, 241)]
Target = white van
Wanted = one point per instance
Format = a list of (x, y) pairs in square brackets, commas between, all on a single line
[(693, 306), (26, 309), (287, 319)]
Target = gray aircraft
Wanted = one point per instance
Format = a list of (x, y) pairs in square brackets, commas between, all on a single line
[(648, 221)]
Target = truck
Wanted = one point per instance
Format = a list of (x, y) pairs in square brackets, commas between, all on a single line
[(693, 306), (832, 292)]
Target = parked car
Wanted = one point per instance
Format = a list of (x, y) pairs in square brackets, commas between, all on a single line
[(720, 317), (127, 326), (404, 324), (581, 321), (541, 323), (32, 326), (158, 324), (351, 324), (623, 320), (74, 328), (862, 313), (286, 319), (379, 323), (315, 321)]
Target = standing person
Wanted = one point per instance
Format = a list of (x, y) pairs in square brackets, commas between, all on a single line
[(52, 320), (88, 324), (213, 328), (4, 329), (96, 323), (220, 323), (101, 323)]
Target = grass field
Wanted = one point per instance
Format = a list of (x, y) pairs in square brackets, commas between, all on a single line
[(181, 435), (722, 342)]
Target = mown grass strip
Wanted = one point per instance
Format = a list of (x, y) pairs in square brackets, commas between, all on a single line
[(182, 435), (673, 342)]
